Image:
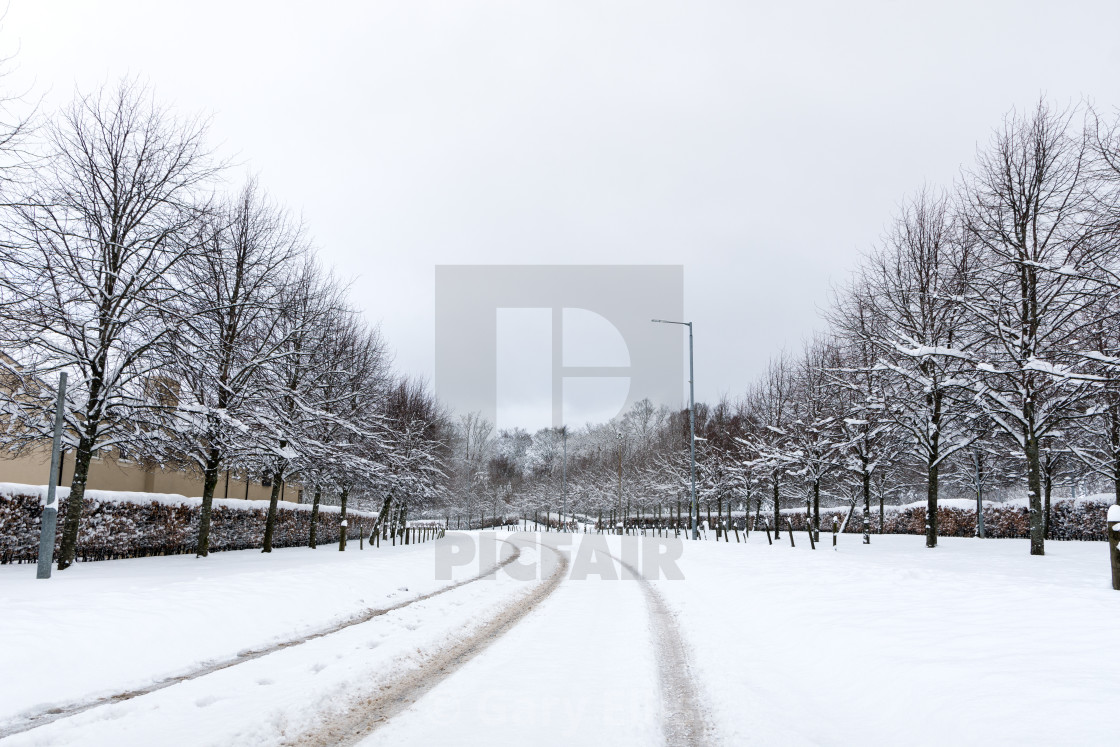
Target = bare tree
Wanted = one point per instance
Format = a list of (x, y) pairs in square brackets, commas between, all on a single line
[(232, 292), (88, 275), (346, 438), (474, 441), (1027, 206), (771, 408), (865, 435), (417, 439), (912, 285), (287, 407), (814, 423), (1093, 435)]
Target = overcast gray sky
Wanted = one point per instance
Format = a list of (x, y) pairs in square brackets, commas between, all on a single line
[(761, 145)]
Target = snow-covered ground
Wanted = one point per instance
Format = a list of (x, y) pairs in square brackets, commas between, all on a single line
[(98, 629), (975, 642)]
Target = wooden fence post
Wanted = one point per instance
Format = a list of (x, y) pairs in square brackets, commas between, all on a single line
[(789, 525), (835, 530)]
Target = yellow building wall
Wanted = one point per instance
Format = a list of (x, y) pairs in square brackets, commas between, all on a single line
[(106, 473)]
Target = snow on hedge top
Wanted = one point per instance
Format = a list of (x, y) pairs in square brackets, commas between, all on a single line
[(1021, 501), (1113, 513), (964, 503), (166, 499)]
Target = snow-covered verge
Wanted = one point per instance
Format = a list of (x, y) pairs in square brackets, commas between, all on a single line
[(126, 525), (104, 628), (975, 642)]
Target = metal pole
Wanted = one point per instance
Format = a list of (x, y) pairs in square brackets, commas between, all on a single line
[(694, 509), (692, 433), (564, 477), (49, 520), (622, 516)]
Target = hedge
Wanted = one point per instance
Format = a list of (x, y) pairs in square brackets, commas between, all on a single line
[(114, 528), (1070, 519), (1082, 519)]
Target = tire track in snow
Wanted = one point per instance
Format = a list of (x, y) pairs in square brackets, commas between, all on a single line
[(684, 721), (372, 712), (33, 720)]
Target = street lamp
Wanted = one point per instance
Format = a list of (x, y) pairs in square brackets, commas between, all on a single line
[(691, 423), (621, 516), (564, 478)]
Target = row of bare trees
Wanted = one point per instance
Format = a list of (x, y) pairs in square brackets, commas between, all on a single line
[(975, 349), (196, 327)]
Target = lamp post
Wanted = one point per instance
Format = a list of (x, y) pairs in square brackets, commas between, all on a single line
[(621, 516), (691, 423), (564, 477)]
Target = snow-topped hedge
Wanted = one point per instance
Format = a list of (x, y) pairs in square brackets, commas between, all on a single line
[(129, 525), (1079, 519)]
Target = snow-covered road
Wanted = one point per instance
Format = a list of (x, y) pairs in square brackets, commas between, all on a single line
[(601, 662), (976, 642), (166, 666)]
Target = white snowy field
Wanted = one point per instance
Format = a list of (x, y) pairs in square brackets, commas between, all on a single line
[(975, 642)]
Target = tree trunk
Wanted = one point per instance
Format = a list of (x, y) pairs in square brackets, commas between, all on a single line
[(1112, 534), (866, 507), (74, 504), (343, 526), (270, 522), (777, 508), (719, 514), (817, 508), (1114, 417), (1034, 494), (209, 484), (1047, 486), (932, 469), (314, 517), (383, 515), (978, 465)]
